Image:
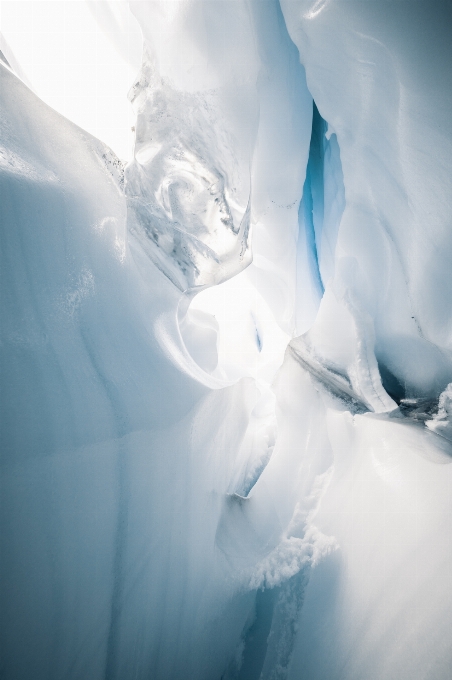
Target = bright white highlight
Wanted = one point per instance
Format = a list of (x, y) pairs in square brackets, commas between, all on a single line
[(250, 342), (81, 58)]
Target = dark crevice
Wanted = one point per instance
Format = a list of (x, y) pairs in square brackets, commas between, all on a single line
[(418, 409), (256, 637), (311, 211), (391, 383), (113, 639), (319, 216)]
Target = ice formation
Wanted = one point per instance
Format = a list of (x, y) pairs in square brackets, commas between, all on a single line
[(226, 364)]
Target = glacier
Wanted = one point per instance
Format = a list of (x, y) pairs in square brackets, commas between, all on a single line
[(226, 359)]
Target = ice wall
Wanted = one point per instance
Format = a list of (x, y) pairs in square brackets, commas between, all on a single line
[(223, 129), (175, 502), (114, 460), (379, 75), (117, 458)]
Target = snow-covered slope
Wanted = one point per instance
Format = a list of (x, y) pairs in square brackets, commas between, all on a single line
[(225, 420)]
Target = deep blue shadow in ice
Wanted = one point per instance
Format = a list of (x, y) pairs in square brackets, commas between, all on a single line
[(322, 204), (311, 210)]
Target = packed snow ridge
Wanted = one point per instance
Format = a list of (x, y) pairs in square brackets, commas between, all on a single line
[(226, 360)]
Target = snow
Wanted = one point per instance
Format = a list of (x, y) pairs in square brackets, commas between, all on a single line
[(226, 364), (380, 606)]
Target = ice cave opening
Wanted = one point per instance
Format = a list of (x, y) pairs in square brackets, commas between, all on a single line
[(225, 352)]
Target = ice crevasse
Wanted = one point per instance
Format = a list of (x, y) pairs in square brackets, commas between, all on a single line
[(226, 364)]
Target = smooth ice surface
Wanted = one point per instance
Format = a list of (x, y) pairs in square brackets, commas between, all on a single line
[(226, 366), (95, 420)]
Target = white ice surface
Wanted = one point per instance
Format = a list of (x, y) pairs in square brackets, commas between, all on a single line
[(221, 485)]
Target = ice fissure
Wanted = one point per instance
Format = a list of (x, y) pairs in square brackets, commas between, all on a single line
[(226, 364)]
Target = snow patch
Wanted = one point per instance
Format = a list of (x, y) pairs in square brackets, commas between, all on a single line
[(290, 556)]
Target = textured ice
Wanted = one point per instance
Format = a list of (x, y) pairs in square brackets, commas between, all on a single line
[(182, 185), (226, 405)]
